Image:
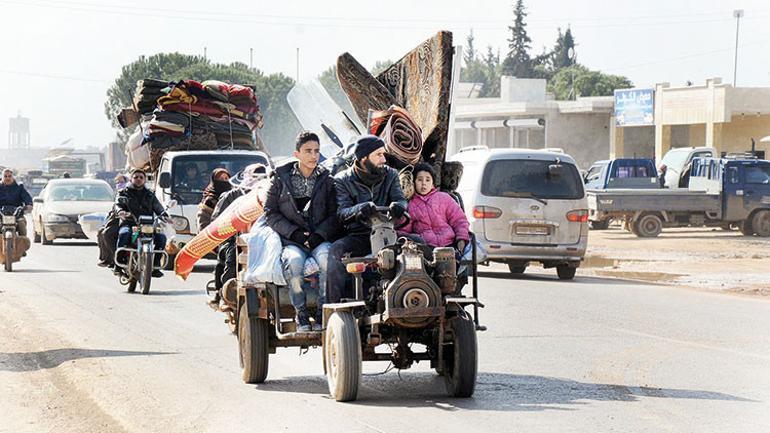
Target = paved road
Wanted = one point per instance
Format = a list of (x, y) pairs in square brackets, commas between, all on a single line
[(78, 354)]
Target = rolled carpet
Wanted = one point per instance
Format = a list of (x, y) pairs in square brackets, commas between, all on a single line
[(402, 136), (237, 218)]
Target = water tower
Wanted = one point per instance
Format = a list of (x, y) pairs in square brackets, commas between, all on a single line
[(18, 133)]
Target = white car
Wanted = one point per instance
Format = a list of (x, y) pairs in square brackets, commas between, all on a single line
[(526, 205), (55, 212)]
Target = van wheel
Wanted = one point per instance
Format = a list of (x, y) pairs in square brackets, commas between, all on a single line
[(516, 269), (761, 223), (599, 225), (565, 272), (35, 236), (745, 228), (169, 265), (648, 226)]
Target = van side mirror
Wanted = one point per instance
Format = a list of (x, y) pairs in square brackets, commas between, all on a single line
[(165, 180), (555, 170)]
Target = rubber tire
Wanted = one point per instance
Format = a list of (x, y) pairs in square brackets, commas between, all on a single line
[(760, 223), (44, 240), (517, 270), (131, 288), (565, 272), (8, 251), (145, 277), (745, 228), (35, 236), (599, 225), (648, 226), (342, 337), (253, 340), (461, 366), (169, 265)]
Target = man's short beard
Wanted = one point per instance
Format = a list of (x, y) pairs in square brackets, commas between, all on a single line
[(373, 169)]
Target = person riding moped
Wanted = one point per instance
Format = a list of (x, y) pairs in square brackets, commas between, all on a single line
[(132, 202), (14, 195), (301, 206), (368, 183)]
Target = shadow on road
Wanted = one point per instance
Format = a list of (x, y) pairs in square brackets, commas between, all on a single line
[(33, 361), (73, 244), (190, 292), (579, 279), (42, 271), (494, 392)]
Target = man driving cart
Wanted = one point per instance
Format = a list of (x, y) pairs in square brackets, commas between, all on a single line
[(368, 183)]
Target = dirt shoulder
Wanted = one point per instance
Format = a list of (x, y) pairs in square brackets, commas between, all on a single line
[(702, 258)]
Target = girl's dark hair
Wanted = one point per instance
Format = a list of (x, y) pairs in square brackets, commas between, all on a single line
[(304, 137), (424, 167)]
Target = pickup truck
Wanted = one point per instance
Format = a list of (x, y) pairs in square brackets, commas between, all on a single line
[(721, 192), (628, 173)]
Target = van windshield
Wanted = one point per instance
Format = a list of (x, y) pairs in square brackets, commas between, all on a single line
[(191, 174), (518, 178)]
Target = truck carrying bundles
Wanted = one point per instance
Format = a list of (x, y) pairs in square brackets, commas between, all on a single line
[(190, 115)]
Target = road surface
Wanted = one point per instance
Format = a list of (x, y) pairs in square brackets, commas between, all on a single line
[(79, 354)]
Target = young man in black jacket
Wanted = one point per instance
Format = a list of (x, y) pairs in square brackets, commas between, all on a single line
[(139, 201), (368, 183), (302, 209)]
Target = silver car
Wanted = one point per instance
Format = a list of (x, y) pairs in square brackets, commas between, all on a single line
[(526, 206)]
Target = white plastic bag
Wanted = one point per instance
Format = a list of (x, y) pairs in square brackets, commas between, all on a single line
[(264, 264)]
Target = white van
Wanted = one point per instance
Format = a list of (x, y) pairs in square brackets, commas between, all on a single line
[(172, 183), (678, 162), (526, 205)]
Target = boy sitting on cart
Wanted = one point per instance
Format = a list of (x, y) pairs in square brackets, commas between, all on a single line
[(301, 207)]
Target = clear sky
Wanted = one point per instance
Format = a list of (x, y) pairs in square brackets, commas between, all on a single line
[(58, 57)]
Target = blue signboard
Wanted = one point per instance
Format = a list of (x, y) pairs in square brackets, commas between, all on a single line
[(634, 107)]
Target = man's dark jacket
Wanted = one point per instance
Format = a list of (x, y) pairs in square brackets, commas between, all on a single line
[(141, 201), (283, 216), (14, 195), (352, 194)]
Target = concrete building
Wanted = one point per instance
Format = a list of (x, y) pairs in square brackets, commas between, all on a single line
[(715, 114), (525, 115)]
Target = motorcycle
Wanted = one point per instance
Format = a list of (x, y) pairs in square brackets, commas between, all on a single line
[(137, 270), (13, 245)]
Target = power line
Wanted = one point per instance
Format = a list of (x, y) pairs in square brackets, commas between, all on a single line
[(334, 22), (53, 76)]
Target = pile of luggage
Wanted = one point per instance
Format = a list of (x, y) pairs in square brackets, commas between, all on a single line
[(189, 115)]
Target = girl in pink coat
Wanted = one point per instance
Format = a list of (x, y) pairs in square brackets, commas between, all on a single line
[(436, 216)]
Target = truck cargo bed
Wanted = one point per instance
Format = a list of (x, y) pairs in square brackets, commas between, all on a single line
[(653, 200)]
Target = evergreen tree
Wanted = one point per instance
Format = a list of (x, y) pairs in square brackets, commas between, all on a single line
[(518, 63), (561, 51)]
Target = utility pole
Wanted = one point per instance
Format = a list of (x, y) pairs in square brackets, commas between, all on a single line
[(297, 64), (737, 14), (204, 52), (251, 58)]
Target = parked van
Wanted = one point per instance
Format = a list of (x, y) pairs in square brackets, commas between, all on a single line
[(526, 206)]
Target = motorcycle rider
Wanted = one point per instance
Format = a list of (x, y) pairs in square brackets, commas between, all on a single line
[(138, 201), (360, 188), (13, 194), (301, 207)]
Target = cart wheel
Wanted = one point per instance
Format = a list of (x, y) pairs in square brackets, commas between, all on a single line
[(648, 226), (460, 359), (342, 353), (253, 344)]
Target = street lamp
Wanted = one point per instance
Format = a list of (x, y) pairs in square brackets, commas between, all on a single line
[(737, 14), (573, 60)]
